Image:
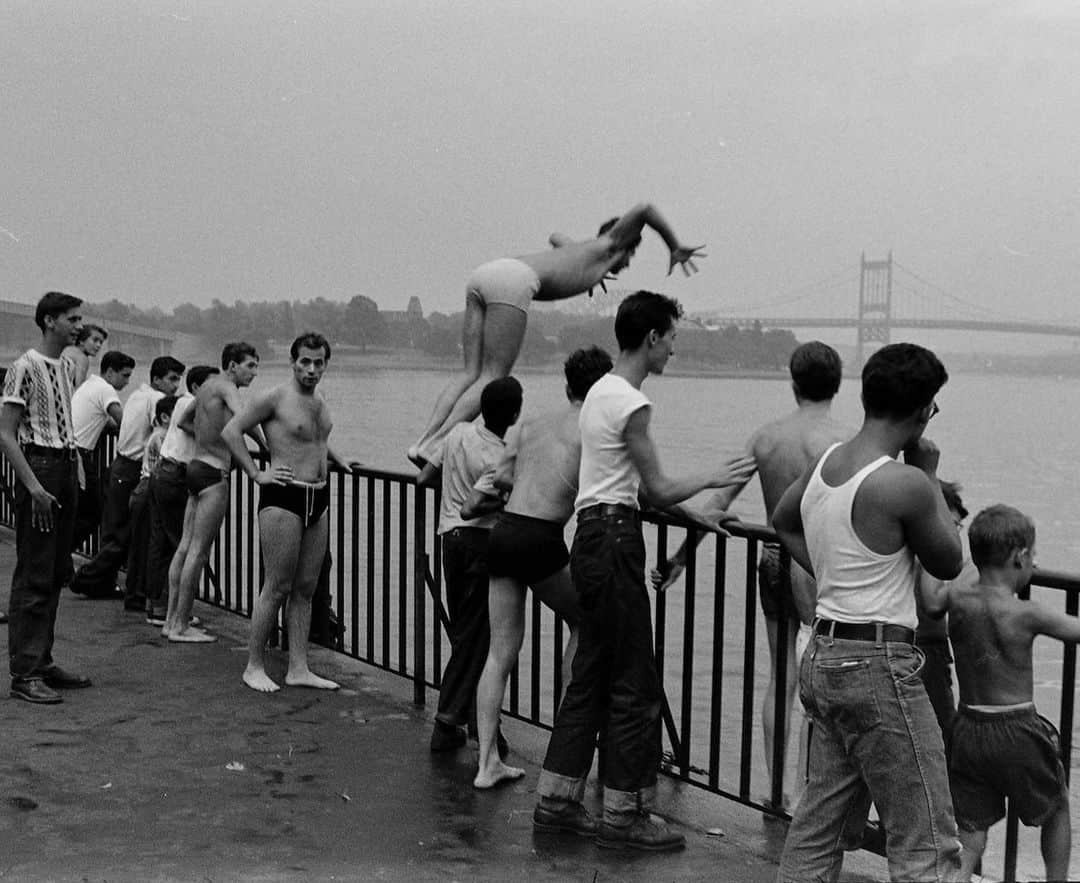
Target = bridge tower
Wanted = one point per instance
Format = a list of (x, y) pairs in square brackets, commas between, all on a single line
[(875, 305)]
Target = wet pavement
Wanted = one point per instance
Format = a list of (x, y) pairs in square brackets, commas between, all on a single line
[(169, 768)]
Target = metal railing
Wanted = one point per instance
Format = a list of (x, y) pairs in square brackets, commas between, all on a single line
[(387, 587)]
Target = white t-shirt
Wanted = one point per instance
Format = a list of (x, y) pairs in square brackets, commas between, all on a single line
[(90, 409), (137, 422), (607, 474), (178, 444), (470, 453)]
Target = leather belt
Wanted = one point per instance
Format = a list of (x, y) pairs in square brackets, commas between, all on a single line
[(877, 632), (608, 510), (58, 453)]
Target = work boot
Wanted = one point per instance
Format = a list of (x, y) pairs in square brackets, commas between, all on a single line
[(571, 817), (645, 831)]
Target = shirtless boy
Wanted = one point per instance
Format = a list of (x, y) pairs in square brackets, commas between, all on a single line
[(497, 299), (526, 546), (1001, 747), (782, 450), (217, 400), (294, 498)]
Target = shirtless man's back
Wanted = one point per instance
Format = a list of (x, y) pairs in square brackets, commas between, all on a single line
[(207, 477), (526, 548)]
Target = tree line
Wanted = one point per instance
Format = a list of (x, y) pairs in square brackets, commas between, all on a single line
[(359, 322)]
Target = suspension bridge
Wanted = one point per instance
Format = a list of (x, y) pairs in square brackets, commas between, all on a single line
[(874, 299)]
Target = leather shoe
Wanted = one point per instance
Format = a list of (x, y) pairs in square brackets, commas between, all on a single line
[(572, 818), (34, 690), (58, 679), (446, 737), (646, 831)]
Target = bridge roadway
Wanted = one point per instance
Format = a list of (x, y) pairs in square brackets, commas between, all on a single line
[(170, 769), (1055, 329)]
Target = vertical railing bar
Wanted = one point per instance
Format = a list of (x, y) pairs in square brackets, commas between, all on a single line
[(747, 722), (717, 686), (1068, 686), (338, 563), (659, 643), (369, 652), (534, 669), (386, 573), (354, 569), (403, 577), (419, 596), (246, 593), (1011, 834), (780, 709), (436, 575), (686, 711), (557, 667)]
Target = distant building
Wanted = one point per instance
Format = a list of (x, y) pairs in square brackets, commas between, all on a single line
[(406, 327)]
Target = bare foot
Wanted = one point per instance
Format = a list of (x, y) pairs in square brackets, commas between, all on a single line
[(496, 774), (259, 680), (310, 679), (191, 636)]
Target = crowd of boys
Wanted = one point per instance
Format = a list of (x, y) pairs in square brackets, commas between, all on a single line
[(872, 532)]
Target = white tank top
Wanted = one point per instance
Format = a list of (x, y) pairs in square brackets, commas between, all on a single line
[(854, 583)]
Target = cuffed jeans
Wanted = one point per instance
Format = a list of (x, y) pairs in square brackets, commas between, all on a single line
[(98, 575), (875, 738), (464, 551), (168, 499), (41, 560), (614, 688)]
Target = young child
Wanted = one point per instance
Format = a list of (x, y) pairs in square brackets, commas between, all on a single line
[(1001, 747), (140, 503)]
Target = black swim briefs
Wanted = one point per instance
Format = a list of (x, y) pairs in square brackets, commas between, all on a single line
[(307, 502), (201, 475), (526, 549)]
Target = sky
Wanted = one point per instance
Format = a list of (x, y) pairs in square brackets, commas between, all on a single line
[(161, 152)]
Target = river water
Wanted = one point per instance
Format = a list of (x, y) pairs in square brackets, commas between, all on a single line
[(1004, 438)]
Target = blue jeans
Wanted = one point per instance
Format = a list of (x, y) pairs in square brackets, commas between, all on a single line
[(98, 576), (875, 738), (614, 688), (168, 498), (41, 563)]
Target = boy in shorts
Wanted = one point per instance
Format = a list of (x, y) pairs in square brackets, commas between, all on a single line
[(1001, 747)]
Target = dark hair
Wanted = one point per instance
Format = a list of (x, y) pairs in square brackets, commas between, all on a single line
[(54, 303), (642, 312), (162, 365), (116, 361), (165, 405), (816, 370), (88, 329), (500, 403), (236, 351), (583, 368), (309, 340), (899, 379), (197, 376), (997, 532), (951, 491), (611, 222)]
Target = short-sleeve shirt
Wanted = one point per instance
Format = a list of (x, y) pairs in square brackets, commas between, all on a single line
[(42, 386), (178, 444), (607, 474), (469, 451), (137, 422), (90, 409)]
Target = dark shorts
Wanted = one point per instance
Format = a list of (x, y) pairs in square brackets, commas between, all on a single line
[(305, 502), (1015, 754), (776, 601), (201, 475), (526, 549)]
